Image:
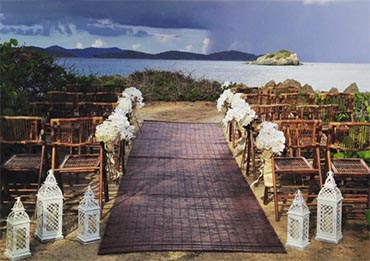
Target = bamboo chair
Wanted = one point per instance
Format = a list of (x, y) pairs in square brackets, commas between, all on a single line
[(300, 168), (347, 143), (89, 109), (23, 151), (75, 152), (109, 97)]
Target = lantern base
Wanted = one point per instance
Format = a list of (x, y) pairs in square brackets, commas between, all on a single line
[(329, 239), (17, 256), (297, 245), (86, 241), (48, 238)]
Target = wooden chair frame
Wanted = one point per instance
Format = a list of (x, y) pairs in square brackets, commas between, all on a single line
[(352, 174), (84, 155), (301, 136), (26, 133)]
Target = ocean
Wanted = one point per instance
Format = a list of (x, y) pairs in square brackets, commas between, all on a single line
[(321, 76)]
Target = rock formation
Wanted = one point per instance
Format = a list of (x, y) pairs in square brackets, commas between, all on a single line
[(282, 57)]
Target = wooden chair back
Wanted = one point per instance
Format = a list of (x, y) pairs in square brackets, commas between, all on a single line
[(89, 109), (21, 129), (300, 135), (74, 132), (109, 97)]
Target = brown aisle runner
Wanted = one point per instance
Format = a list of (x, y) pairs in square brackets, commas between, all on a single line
[(183, 191)]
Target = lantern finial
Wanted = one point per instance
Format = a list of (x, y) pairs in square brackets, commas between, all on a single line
[(18, 205)]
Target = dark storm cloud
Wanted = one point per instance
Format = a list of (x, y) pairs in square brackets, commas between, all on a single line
[(315, 32), (162, 14)]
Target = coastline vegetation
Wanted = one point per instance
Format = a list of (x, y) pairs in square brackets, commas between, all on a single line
[(27, 76), (280, 54)]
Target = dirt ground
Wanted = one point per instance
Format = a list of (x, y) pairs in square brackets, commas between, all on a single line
[(355, 244)]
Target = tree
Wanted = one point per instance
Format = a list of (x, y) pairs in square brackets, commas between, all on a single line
[(25, 77)]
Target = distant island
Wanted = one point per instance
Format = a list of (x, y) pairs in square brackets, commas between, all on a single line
[(117, 53), (282, 57)]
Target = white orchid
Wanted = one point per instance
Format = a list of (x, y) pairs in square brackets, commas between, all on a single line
[(224, 99), (122, 124), (135, 96), (125, 104), (106, 132), (241, 112), (270, 138)]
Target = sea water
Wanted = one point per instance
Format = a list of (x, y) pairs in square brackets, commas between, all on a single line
[(321, 76)]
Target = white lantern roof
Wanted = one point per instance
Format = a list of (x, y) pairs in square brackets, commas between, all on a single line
[(18, 214), (89, 202), (298, 206), (50, 188), (330, 191)]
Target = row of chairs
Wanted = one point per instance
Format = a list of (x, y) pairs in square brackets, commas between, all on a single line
[(308, 154), (70, 149), (49, 109), (75, 97)]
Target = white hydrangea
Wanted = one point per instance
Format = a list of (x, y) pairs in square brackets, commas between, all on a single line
[(242, 113), (135, 96), (270, 138), (125, 104), (106, 132), (237, 101), (121, 123), (224, 99)]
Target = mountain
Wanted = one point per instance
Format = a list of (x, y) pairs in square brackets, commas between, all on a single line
[(232, 56), (117, 53), (177, 55), (126, 54)]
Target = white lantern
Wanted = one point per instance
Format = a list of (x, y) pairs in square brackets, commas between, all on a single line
[(49, 210), (298, 223), (329, 212), (88, 218), (18, 232)]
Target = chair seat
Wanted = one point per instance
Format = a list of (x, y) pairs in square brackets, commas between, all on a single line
[(84, 161), (293, 165), (23, 162), (350, 167)]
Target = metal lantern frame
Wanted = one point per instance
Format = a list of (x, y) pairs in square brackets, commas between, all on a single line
[(88, 218), (49, 210), (298, 225), (18, 232), (329, 212)]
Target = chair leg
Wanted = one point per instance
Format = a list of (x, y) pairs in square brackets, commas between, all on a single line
[(276, 205), (265, 196)]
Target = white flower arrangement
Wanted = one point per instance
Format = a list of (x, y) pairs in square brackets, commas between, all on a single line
[(125, 103), (106, 132), (120, 121), (117, 127), (225, 99), (240, 111), (270, 138), (135, 96)]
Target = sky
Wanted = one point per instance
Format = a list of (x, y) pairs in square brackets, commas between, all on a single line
[(317, 30)]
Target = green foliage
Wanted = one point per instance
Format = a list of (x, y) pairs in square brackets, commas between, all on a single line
[(173, 86), (362, 106), (279, 55), (26, 77)]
